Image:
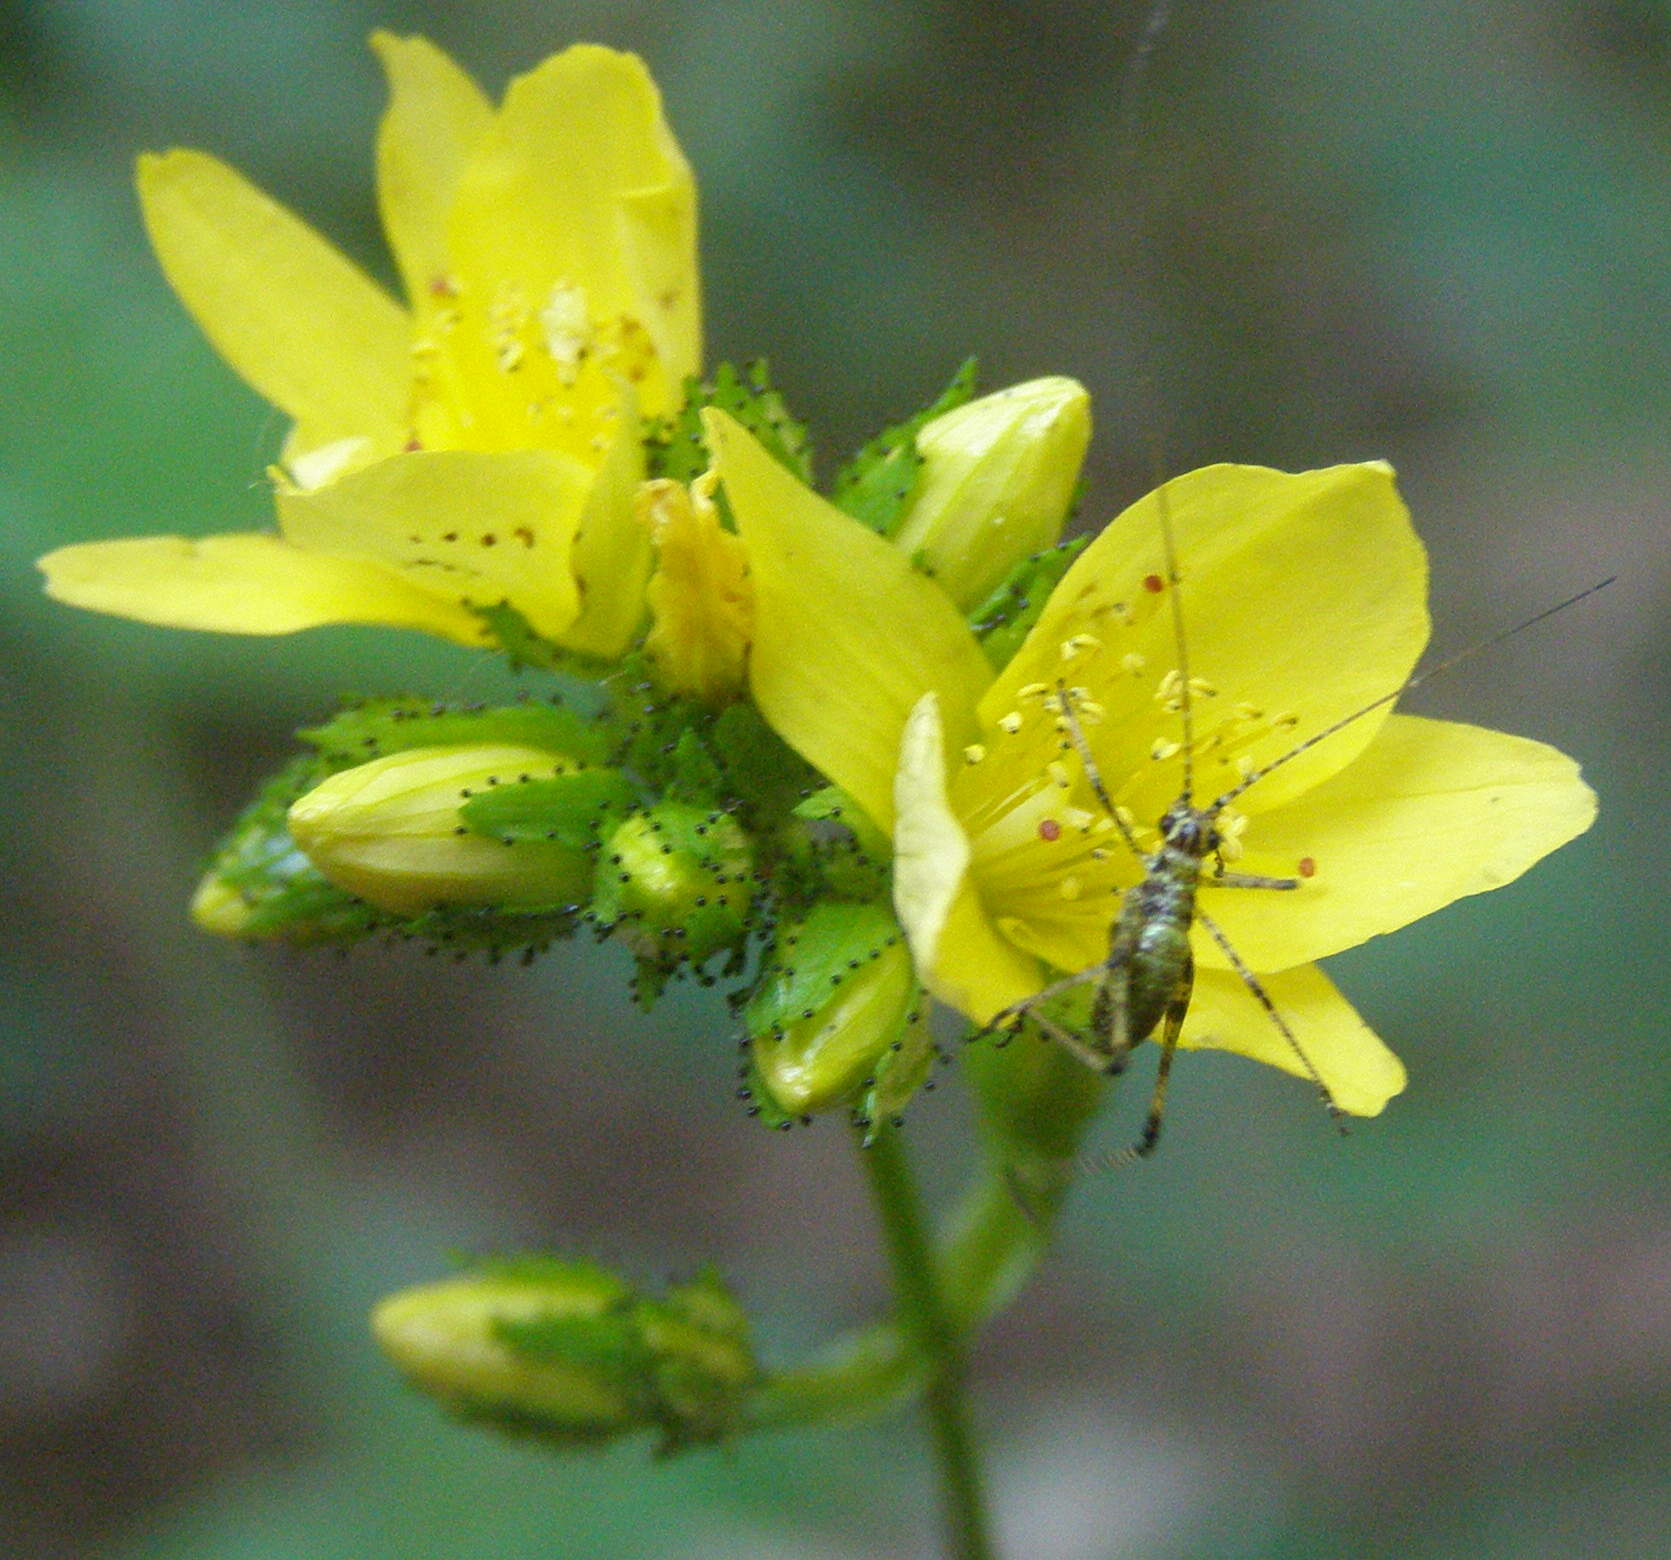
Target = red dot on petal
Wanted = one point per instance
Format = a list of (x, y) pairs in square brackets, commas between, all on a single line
[(1049, 830), (1307, 867), (1154, 584)]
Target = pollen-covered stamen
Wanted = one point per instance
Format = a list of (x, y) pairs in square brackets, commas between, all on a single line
[(1231, 826), (567, 327)]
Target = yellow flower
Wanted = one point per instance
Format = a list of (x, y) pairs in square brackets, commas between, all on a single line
[(480, 444), (1304, 599)]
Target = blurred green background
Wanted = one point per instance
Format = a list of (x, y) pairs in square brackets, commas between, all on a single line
[(1439, 233)]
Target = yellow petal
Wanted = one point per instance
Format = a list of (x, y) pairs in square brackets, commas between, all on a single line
[(847, 635), (245, 584), (301, 323), (1362, 1074), (1431, 811), (469, 525), (580, 184), (1303, 597), (612, 551), (658, 238), (959, 954), (436, 115)]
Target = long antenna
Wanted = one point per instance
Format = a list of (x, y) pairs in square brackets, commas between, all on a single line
[(1186, 694), (1403, 688)]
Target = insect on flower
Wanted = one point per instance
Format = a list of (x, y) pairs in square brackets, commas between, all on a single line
[(1013, 793), (1147, 978)]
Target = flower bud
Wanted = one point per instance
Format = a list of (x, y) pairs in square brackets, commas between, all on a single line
[(836, 1001), (679, 879), (392, 832), (571, 1353), (997, 480)]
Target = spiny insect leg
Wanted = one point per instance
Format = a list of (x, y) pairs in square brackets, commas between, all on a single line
[(1260, 995), (1009, 1020), (1249, 880), (1172, 1025), (1076, 735)]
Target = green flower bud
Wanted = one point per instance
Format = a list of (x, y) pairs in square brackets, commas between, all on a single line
[(680, 881), (835, 1006), (573, 1354), (997, 480), (394, 833)]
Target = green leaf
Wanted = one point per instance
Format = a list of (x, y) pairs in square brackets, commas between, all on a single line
[(575, 810), (675, 447), (815, 958), (876, 485), (279, 893), (380, 726), (900, 1071), (1005, 618)]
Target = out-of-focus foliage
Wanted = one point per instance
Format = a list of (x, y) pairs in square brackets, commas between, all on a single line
[(1438, 233)]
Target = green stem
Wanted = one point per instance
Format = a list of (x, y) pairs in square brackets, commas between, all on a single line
[(926, 1321), (1037, 1102)]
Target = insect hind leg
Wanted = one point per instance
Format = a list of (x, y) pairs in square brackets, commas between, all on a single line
[(1263, 998)]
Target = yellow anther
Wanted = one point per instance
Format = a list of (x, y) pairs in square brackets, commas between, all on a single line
[(1079, 644), (1134, 663), (1249, 711), (1078, 819), (974, 753), (1011, 723), (1170, 686), (1033, 690), (1202, 689), (1099, 853), (1245, 765), (1058, 772), (1071, 886), (1162, 749)]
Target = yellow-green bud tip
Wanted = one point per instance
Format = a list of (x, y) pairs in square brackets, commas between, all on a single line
[(391, 832), (219, 908), (997, 480)]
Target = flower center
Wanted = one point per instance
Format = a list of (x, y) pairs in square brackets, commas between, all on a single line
[(501, 371)]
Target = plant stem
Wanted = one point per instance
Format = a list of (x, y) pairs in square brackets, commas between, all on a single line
[(926, 1323), (1037, 1102)]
